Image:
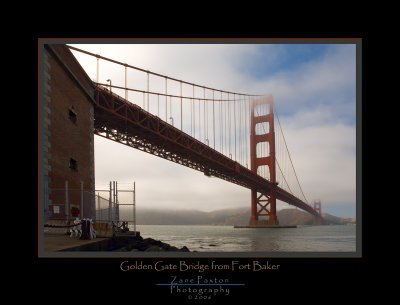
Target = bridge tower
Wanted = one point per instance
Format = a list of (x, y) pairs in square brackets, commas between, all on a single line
[(263, 204), (317, 208)]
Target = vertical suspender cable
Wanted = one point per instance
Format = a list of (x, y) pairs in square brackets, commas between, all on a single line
[(181, 107), (204, 113), (226, 128), (207, 138), (244, 132), (166, 101), (277, 154), (199, 121), (229, 126), (213, 121), (170, 109), (240, 131), (194, 115), (126, 80), (248, 129), (148, 90), (97, 74), (221, 127), (234, 120)]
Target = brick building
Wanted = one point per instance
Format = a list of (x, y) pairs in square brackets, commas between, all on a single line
[(67, 139)]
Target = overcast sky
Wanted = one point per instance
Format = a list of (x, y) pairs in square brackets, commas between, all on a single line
[(314, 91)]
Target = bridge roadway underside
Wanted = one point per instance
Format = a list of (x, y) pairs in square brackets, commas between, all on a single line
[(119, 120)]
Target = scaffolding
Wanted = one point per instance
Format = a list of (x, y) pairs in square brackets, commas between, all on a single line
[(112, 212), (109, 204)]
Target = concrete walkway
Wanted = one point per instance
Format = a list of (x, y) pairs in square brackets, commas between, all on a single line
[(58, 242)]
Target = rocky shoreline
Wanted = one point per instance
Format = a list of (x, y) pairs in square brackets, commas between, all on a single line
[(138, 243)]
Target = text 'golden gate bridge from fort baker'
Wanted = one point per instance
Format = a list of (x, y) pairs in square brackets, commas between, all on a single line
[(223, 134)]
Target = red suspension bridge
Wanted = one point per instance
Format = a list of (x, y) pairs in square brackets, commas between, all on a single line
[(228, 135)]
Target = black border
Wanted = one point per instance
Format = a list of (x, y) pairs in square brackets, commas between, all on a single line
[(311, 270)]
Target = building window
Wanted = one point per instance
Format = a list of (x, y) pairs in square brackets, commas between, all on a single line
[(72, 114), (73, 164)]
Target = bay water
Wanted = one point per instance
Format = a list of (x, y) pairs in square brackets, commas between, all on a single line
[(204, 238)]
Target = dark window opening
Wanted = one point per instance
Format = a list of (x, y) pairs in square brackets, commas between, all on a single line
[(73, 164), (72, 114)]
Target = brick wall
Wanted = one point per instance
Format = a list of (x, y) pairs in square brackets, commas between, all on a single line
[(68, 141)]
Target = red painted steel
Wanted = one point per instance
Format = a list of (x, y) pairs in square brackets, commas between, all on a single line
[(317, 208), (121, 121), (266, 201)]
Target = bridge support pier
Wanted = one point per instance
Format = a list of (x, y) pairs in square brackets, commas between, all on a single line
[(317, 219), (263, 204)]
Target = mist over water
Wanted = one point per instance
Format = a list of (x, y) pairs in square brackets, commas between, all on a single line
[(336, 238)]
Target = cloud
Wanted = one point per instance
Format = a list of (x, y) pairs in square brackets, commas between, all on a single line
[(161, 183), (324, 154), (323, 81)]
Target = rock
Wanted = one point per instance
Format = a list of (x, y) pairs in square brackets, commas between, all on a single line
[(154, 249), (123, 249), (147, 244), (151, 241), (185, 249)]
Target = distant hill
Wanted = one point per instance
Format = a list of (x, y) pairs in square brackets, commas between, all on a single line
[(297, 217), (291, 217), (228, 217)]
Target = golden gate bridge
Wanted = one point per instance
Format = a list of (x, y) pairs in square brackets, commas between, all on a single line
[(224, 134)]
